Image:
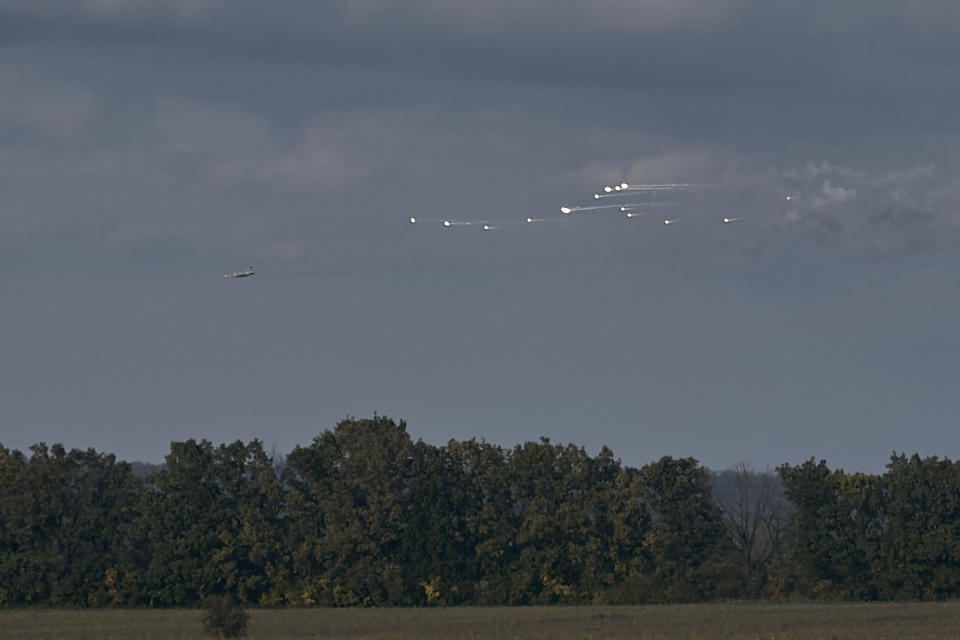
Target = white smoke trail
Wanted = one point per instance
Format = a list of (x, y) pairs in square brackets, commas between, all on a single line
[(664, 187), (646, 205), (569, 210)]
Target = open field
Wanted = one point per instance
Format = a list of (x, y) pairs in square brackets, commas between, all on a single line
[(753, 621)]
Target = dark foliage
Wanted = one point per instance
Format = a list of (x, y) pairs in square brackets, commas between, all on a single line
[(363, 516)]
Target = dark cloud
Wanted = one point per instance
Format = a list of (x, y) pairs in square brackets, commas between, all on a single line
[(726, 43), (146, 147)]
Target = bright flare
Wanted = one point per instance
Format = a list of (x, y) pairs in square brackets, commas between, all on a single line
[(413, 220), (566, 210)]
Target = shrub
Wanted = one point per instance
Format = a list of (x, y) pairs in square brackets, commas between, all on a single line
[(224, 619)]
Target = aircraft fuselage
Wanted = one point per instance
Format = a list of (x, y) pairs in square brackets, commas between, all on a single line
[(242, 274)]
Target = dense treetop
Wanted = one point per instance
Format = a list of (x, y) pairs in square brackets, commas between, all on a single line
[(364, 516)]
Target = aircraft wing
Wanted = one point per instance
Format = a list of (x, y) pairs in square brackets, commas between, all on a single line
[(240, 274)]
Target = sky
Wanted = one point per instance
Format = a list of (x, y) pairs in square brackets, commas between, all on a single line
[(148, 147)]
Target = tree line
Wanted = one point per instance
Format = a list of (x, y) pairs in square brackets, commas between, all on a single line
[(364, 516)]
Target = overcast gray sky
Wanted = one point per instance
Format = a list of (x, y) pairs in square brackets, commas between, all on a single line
[(148, 146)]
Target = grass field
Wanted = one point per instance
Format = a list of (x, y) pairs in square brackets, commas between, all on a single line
[(753, 621)]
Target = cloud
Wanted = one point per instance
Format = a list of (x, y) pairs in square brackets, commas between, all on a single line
[(691, 165), (878, 212), (120, 12), (187, 11), (231, 146), (165, 116), (832, 195), (462, 15), (51, 109), (628, 34), (562, 17)]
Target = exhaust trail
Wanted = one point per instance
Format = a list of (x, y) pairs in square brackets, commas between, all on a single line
[(415, 220), (643, 205), (569, 210), (662, 187)]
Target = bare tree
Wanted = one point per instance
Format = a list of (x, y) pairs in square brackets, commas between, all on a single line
[(277, 460), (755, 512)]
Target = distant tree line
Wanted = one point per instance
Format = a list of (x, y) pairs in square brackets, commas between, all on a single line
[(364, 516)]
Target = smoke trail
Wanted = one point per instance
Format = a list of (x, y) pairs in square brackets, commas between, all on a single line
[(881, 213), (569, 210)]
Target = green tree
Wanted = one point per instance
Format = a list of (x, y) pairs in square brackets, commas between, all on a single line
[(492, 520), (210, 523), (838, 523), (920, 545), (355, 479), (686, 543), (621, 523), (583, 524), (557, 525), (554, 492), (439, 548), (66, 527)]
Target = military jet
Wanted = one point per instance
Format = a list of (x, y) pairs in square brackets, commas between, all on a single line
[(241, 274)]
